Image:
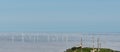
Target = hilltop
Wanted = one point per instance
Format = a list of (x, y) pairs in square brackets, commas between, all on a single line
[(88, 49)]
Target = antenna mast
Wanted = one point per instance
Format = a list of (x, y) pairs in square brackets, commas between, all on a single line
[(98, 45), (81, 45), (93, 42)]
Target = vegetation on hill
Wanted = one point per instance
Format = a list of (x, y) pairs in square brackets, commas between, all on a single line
[(87, 49)]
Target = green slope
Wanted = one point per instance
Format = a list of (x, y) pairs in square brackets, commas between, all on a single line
[(86, 49)]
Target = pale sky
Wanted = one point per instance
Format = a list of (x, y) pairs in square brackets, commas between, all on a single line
[(60, 15)]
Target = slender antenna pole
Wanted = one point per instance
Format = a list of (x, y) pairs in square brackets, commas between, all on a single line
[(81, 45), (93, 42), (66, 40), (98, 44)]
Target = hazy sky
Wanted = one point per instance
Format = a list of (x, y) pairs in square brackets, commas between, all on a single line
[(60, 15)]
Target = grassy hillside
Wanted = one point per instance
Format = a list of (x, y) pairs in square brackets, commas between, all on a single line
[(86, 49)]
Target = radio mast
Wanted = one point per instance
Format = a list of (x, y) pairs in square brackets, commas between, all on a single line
[(81, 45)]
